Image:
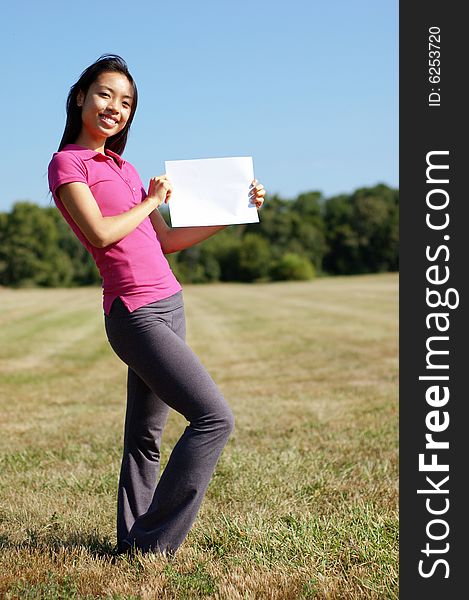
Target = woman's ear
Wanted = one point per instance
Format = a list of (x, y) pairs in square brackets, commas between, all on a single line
[(80, 98)]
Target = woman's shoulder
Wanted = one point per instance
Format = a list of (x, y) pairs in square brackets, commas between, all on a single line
[(128, 164), (67, 165), (69, 155), (130, 167)]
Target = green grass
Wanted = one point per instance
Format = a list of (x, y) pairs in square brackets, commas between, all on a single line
[(304, 501)]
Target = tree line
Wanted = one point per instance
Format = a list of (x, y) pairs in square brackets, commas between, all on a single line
[(296, 239)]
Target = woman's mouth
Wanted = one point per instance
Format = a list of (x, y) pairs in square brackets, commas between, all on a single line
[(108, 120)]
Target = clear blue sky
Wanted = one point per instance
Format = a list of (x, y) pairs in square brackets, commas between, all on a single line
[(308, 88)]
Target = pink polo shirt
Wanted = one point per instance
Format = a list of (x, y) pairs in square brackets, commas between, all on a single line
[(135, 267)]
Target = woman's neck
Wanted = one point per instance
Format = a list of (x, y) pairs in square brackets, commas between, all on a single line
[(88, 142)]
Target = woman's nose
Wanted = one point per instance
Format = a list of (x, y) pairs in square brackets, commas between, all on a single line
[(111, 105)]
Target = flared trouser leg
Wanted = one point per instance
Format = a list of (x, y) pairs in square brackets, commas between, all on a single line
[(164, 372), (145, 419)]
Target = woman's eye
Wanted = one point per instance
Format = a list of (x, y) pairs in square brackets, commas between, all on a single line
[(104, 95), (126, 104)]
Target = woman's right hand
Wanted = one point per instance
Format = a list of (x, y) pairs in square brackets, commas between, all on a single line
[(160, 189)]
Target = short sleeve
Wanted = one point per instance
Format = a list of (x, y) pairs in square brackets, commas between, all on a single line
[(65, 167)]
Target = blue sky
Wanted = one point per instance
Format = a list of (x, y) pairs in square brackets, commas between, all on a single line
[(308, 88)]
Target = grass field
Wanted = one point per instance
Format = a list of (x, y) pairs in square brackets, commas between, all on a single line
[(304, 500)]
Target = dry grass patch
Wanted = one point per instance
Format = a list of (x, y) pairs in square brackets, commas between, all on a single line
[(304, 501)]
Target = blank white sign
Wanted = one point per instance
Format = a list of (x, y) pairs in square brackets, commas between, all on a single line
[(211, 191)]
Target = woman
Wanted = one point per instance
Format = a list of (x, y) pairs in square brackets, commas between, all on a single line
[(102, 198)]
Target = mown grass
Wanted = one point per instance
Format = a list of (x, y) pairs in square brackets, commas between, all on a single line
[(304, 500)]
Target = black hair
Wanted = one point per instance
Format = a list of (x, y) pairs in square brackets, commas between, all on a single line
[(105, 64)]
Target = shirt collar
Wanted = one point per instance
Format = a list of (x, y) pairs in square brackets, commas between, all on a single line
[(87, 153)]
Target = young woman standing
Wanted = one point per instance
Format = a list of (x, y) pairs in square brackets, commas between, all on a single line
[(102, 198)]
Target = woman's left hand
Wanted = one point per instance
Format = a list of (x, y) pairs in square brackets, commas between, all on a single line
[(257, 193)]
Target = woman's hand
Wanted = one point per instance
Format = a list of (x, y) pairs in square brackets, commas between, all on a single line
[(257, 193), (160, 189)]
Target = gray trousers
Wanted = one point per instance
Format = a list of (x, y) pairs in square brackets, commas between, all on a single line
[(163, 373)]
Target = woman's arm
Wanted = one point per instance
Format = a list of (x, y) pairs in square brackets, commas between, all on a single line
[(101, 231), (179, 238)]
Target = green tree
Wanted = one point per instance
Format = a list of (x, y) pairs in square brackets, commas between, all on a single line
[(3, 241), (195, 265), (254, 258), (217, 258), (293, 267), (29, 251), (293, 226), (356, 233), (362, 231)]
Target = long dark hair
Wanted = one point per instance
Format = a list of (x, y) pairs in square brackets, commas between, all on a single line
[(104, 64)]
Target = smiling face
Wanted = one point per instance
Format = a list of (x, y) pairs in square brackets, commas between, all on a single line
[(105, 109)]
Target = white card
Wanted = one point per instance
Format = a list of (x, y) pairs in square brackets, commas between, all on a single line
[(211, 191)]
